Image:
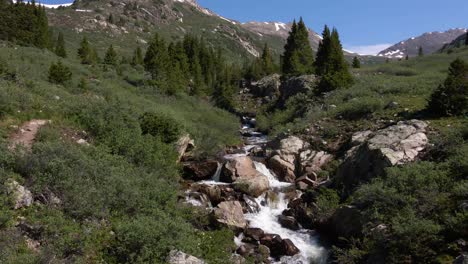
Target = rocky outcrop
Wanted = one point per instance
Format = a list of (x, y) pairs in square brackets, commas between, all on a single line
[(267, 87), (373, 152), (184, 145), (200, 170), (239, 167), (230, 214), (22, 197), (292, 158), (253, 186), (179, 257), (296, 85)]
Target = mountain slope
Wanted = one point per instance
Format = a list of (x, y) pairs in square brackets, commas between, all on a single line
[(430, 42)]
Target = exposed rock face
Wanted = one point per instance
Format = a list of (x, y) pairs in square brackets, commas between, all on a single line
[(347, 221), (267, 87), (230, 214), (179, 257), (22, 197), (296, 85), (199, 171), (183, 145), (255, 186), (395, 145), (292, 158), (239, 167)]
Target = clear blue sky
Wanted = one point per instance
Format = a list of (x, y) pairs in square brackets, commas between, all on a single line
[(362, 23)]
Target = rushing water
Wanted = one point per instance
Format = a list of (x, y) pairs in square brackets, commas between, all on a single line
[(270, 209)]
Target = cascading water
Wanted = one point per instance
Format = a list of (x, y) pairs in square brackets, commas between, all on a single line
[(270, 209)]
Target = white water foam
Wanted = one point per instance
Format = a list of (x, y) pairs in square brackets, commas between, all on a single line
[(304, 240), (274, 182)]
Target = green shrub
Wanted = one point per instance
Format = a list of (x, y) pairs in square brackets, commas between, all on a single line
[(359, 108), (160, 126), (59, 73)]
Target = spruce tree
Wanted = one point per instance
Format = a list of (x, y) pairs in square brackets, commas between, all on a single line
[(60, 46), (137, 57), (157, 59), (451, 98), (420, 51), (85, 53), (59, 73), (356, 63), (407, 57), (298, 57), (111, 56), (267, 63), (331, 64), (466, 39)]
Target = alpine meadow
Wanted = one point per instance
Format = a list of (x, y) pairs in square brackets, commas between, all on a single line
[(159, 131)]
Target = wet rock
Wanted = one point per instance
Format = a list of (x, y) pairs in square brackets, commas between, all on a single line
[(288, 222), (251, 206), (198, 199), (246, 250), (179, 257), (289, 248), (264, 252), (254, 233), (347, 221), (184, 145), (22, 197), (267, 87), (230, 214), (200, 170), (284, 170), (296, 85), (255, 186), (239, 167), (395, 145)]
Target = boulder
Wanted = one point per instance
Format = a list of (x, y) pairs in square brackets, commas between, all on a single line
[(295, 85), (179, 257), (288, 222), (22, 197), (347, 221), (278, 246), (184, 145), (282, 168), (313, 161), (289, 249), (200, 170), (394, 145), (239, 167), (255, 186), (230, 214), (254, 233), (237, 259), (267, 86)]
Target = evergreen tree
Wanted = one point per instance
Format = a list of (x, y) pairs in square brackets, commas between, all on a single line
[(111, 56), (356, 63), (298, 57), (137, 57), (466, 39), (85, 52), (407, 57), (267, 63), (223, 95), (451, 98), (157, 59), (60, 46), (420, 51), (331, 65), (198, 82), (59, 73)]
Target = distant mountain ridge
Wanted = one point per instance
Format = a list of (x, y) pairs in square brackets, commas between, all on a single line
[(430, 43)]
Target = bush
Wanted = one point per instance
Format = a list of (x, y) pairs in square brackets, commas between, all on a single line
[(59, 73), (160, 126), (359, 108)]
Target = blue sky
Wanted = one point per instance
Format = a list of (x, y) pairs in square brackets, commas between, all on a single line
[(364, 25)]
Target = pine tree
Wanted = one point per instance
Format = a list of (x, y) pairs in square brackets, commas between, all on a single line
[(451, 98), (137, 57), (466, 39), (267, 63), (407, 57), (157, 59), (85, 53), (59, 73), (298, 57), (356, 63), (111, 56), (420, 51), (60, 46), (331, 65)]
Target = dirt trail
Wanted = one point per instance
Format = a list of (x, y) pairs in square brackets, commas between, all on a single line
[(26, 134)]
